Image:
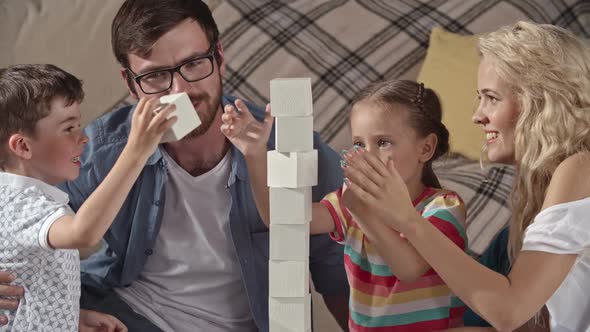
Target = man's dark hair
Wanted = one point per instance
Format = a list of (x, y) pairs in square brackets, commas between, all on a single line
[(140, 23)]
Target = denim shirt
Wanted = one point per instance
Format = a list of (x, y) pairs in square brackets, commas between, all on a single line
[(130, 239)]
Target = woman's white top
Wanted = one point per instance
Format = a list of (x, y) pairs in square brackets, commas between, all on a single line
[(565, 229)]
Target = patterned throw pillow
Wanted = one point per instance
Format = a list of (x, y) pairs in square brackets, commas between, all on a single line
[(486, 193)]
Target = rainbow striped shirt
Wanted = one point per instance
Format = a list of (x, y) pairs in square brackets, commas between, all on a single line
[(378, 300)]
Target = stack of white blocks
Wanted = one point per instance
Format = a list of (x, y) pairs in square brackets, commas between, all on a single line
[(292, 171)]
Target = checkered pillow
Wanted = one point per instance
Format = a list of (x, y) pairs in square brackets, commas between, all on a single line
[(486, 193)]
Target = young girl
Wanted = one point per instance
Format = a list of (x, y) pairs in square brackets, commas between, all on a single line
[(391, 285), (534, 89)]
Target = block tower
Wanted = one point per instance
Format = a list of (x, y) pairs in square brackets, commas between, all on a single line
[(292, 171)]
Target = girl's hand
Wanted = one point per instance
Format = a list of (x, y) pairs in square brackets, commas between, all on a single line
[(150, 121), (92, 321), (244, 131), (377, 190)]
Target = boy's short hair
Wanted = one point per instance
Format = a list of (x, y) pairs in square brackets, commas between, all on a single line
[(26, 93)]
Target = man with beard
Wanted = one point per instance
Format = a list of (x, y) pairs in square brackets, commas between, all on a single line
[(188, 251)]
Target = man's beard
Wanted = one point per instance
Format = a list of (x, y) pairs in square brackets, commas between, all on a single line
[(208, 108)]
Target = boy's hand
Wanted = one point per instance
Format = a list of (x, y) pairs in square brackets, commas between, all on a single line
[(92, 321), (150, 121), (244, 131), (9, 295)]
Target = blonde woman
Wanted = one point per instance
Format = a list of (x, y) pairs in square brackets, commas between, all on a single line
[(534, 90)]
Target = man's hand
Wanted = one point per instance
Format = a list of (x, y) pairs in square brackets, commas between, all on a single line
[(92, 321), (244, 131), (9, 294)]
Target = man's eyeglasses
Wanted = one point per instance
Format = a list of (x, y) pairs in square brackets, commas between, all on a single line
[(191, 70)]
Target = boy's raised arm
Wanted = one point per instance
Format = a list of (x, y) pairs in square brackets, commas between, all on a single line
[(87, 227)]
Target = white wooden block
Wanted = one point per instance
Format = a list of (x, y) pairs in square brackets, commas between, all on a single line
[(290, 205), (188, 119), (292, 169), (289, 242), (289, 314), (291, 97), (294, 133), (288, 278)]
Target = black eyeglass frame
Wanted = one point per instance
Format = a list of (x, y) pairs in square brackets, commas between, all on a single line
[(210, 55)]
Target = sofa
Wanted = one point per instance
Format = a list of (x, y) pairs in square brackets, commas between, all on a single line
[(343, 45)]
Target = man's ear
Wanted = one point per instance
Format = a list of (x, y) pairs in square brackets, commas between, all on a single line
[(20, 145), (428, 147), (129, 83), (221, 63)]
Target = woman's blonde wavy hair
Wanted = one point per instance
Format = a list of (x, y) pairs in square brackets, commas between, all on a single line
[(548, 68)]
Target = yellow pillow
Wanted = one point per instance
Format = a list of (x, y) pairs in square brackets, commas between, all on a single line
[(450, 69)]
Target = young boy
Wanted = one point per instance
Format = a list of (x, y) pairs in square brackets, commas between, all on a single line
[(41, 142)]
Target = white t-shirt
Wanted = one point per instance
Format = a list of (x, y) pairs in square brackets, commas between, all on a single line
[(51, 278), (565, 229), (192, 279)]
